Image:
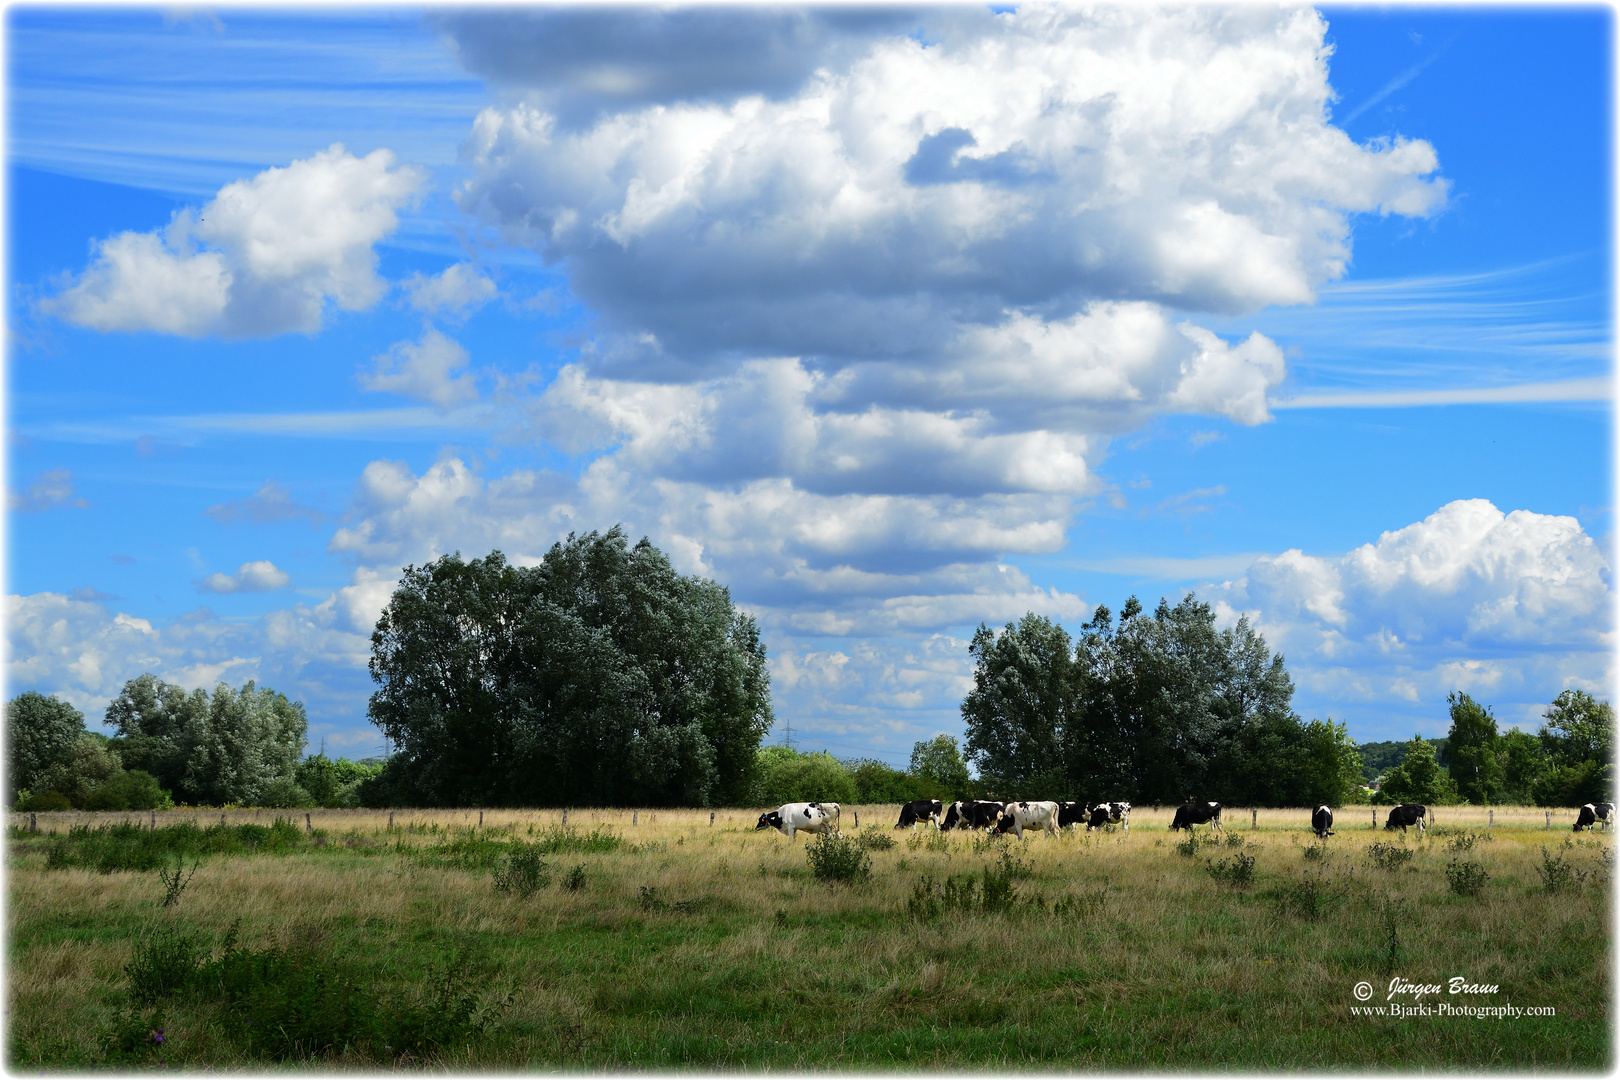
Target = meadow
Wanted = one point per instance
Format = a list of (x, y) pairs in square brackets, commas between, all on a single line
[(660, 939)]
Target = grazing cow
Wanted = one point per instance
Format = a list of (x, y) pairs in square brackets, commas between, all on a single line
[(797, 817), (920, 810), (971, 814), (1072, 813), (1594, 812), (1197, 814), (832, 810), (1322, 822), (1018, 816), (1110, 813), (1407, 814)]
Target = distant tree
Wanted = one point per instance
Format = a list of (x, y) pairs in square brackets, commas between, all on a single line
[(87, 766), (1418, 779), (878, 782), (1471, 747), (40, 734), (1577, 742), (249, 739), (783, 775), (1021, 702), (132, 789), (1523, 764), (599, 676), (158, 725), (334, 784), (938, 763)]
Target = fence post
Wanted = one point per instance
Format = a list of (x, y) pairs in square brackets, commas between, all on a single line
[(857, 819), (1493, 817), (1254, 819), (1374, 824), (480, 819), (565, 817), (154, 821), (33, 823), (711, 817), (635, 816), (1549, 820), (390, 819), (222, 817), (308, 828)]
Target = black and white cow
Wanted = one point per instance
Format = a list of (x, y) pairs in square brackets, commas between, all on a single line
[(797, 817), (1322, 822), (1072, 813), (920, 810), (1197, 814), (1592, 813), (1406, 815), (1018, 816), (832, 810), (972, 814), (1109, 813)]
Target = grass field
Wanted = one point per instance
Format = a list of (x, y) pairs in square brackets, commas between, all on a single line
[(674, 942)]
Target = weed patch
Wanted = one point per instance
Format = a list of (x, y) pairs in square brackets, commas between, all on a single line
[(1389, 856), (1466, 878), (1237, 871), (835, 859), (524, 872), (1309, 898), (874, 840)]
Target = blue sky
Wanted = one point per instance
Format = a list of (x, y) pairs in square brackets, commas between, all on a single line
[(1150, 316)]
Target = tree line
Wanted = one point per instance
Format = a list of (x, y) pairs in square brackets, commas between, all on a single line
[(601, 676)]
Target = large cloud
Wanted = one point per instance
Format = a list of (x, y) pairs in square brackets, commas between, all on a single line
[(265, 257), (920, 190), (1513, 606)]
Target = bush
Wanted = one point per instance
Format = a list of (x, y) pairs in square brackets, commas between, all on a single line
[(1558, 874), (127, 846), (131, 790), (1238, 870), (45, 802), (556, 840), (1466, 878), (874, 840), (835, 859), (782, 776), (283, 793), (163, 960), (1389, 856), (524, 873)]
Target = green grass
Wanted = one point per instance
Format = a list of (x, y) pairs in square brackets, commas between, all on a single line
[(719, 948)]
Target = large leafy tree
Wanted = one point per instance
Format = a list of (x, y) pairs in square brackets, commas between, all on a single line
[(41, 733), (1418, 778), (938, 764), (599, 676), (1578, 743), (1472, 746), (1020, 705)]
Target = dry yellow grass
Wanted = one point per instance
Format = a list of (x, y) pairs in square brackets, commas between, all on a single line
[(1161, 951)]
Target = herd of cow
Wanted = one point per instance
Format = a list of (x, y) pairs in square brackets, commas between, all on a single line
[(1015, 817)]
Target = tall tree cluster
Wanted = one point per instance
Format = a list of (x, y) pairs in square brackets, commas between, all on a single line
[(600, 676), (1152, 709), (1569, 762)]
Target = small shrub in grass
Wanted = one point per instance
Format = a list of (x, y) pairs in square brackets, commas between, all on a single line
[(1234, 840), (1461, 840), (923, 905), (163, 960), (1315, 852), (1558, 874), (835, 859), (1188, 848), (1238, 870), (1389, 856), (874, 840), (997, 890), (135, 1037), (575, 878), (1466, 878), (524, 872), (173, 882), (1309, 898), (558, 840)]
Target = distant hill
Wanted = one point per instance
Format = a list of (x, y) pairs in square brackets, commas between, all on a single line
[(1377, 758)]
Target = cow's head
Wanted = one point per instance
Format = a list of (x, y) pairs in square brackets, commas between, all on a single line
[(769, 820)]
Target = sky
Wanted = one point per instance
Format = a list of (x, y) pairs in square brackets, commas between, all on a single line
[(893, 321)]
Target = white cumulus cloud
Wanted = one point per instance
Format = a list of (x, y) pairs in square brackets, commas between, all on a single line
[(426, 370), (457, 292), (266, 256), (261, 575)]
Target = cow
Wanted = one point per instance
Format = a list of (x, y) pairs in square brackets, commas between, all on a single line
[(1109, 813), (1594, 812), (1197, 814), (919, 810), (1407, 814), (971, 814), (1072, 813), (1017, 816), (1322, 822), (832, 810), (797, 817)]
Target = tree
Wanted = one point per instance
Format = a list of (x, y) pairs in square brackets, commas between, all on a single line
[(88, 765), (877, 782), (40, 734), (1418, 779), (1471, 747), (157, 725), (785, 775), (1523, 764), (599, 676), (939, 765), (1019, 706), (247, 741), (1577, 742)]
